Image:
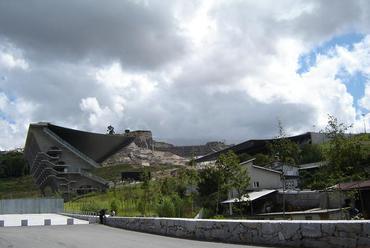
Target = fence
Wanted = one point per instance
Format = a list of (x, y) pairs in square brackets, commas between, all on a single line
[(32, 206)]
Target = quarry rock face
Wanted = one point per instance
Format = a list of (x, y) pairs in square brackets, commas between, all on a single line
[(140, 152), (143, 138), (135, 155), (146, 151), (190, 151)]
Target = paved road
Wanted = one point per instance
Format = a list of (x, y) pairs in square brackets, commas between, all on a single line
[(92, 236)]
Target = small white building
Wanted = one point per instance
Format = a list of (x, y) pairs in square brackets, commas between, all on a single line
[(263, 182), (262, 178)]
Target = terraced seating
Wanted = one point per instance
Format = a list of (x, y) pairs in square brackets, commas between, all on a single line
[(48, 170)]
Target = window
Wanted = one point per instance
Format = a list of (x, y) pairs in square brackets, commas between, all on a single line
[(256, 184)]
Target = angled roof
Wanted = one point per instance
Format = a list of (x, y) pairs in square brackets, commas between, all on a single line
[(266, 169), (251, 196), (312, 165), (96, 146), (353, 185), (256, 146)]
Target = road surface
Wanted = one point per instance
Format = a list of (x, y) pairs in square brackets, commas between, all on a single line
[(93, 236)]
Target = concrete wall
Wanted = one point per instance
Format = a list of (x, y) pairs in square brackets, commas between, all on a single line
[(300, 200), (31, 206), (328, 234)]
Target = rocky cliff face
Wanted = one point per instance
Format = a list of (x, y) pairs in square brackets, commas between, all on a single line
[(143, 138), (135, 155), (190, 151), (145, 151)]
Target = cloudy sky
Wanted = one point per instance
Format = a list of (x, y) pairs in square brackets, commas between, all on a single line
[(190, 71)]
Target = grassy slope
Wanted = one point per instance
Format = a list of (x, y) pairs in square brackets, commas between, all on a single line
[(21, 187), (126, 198)]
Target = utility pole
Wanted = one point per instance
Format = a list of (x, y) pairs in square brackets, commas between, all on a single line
[(283, 191)]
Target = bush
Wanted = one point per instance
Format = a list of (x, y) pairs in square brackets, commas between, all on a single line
[(12, 164), (90, 206), (218, 217), (114, 205), (208, 213), (179, 206), (166, 208)]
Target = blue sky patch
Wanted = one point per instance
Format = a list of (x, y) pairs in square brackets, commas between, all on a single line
[(3, 116), (355, 84), (307, 60)]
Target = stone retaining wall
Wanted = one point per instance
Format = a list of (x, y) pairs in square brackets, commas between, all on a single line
[(274, 233)]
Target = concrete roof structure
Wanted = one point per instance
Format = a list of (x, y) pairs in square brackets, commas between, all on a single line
[(60, 158), (251, 196), (94, 145), (259, 146), (310, 166), (352, 185)]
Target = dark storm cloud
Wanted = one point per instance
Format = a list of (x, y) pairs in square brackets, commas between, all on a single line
[(138, 34), (328, 18), (56, 95), (193, 115), (188, 72)]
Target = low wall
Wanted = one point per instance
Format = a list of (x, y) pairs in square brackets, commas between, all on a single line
[(276, 233), (31, 206)]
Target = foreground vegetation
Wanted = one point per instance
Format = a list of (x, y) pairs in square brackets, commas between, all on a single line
[(20, 187), (181, 195), (12, 164), (162, 197)]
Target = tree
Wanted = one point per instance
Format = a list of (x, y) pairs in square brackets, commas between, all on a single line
[(286, 150), (261, 159), (110, 130), (235, 175), (245, 157), (208, 187), (311, 153), (12, 164), (188, 179), (227, 175), (346, 158)]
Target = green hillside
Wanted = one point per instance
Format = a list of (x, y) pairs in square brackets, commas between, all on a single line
[(20, 187)]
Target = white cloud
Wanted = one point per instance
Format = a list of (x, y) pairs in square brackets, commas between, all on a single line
[(195, 71), (11, 57), (98, 116), (15, 116), (365, 100)]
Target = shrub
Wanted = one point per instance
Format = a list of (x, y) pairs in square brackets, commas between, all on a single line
[(114, 205), (166, 208), (90, 206)]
